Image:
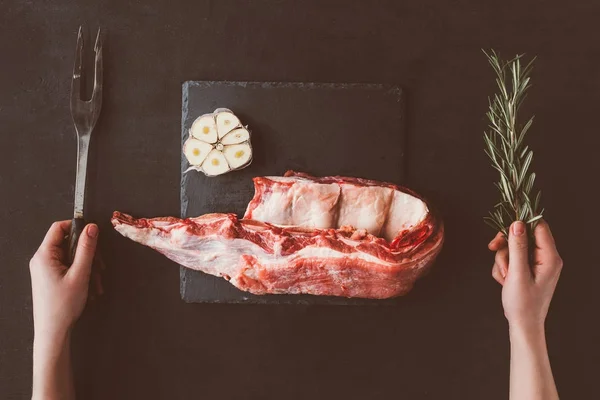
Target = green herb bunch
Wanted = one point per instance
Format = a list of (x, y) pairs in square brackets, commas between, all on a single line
[(505, 146)]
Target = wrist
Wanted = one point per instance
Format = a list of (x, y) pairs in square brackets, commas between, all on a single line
[(50, 342), (521, 332), (51, 366)]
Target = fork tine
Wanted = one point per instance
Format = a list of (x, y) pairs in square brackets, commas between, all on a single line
[(97, 92), (76, 82), (98, 44)]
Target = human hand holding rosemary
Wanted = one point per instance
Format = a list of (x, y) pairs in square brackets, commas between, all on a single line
[(506, 148), (527, 270)]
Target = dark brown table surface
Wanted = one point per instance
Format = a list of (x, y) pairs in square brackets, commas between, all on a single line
[(446, 340)]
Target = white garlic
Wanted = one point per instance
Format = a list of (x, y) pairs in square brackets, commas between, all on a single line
[(204, 128), (196, 151), (236, 136), (226, 122), (237, 154), (218, 143), (215, 163)]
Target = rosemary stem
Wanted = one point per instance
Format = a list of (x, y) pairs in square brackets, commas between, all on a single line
[(506, 148)]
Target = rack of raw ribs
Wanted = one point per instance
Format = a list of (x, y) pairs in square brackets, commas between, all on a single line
[(335, 236)]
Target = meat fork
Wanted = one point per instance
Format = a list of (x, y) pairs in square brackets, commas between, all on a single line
[(85, 114)]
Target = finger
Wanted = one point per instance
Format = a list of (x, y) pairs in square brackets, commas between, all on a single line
[(52, 244), (56, 235), (496, 245), (497, 275), (547, 260), (544, 240), (498, 242), (518, 250), (499, 235), (501, 260), (84, 255)]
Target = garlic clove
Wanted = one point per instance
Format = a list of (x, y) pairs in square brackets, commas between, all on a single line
[(238, 155), (226, 122), (205, 128), (236, 136), (215, 164), (196, 151)]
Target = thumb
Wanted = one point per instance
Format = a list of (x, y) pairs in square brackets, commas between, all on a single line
[(84, 255), (518, 255)]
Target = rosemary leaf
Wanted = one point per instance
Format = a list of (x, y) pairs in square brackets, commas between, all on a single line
[(525, 167), (534, 219), (536, 203), (530, 181), (524, 132)]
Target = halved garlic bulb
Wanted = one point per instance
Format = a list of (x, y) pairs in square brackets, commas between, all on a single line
[(218, 143), (236, 136), (226, 122), (237, 154), (196, 151)]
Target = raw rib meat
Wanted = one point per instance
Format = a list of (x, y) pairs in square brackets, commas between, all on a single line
[(308, 235)]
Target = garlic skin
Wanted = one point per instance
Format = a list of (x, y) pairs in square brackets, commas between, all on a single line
[(218, 143)]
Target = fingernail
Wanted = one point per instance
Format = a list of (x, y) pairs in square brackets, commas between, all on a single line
[(92, 231), (503, 272), (518, 228)]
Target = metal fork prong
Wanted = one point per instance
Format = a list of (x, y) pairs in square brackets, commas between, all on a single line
[(97, 92), (76, 82), (98, 44)]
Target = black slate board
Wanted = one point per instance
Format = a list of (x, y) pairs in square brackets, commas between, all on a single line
[(319, 128)]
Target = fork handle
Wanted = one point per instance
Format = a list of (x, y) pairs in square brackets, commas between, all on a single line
[(77, 225)]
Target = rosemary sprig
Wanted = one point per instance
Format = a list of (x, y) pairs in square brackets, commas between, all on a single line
[(505, 146)]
